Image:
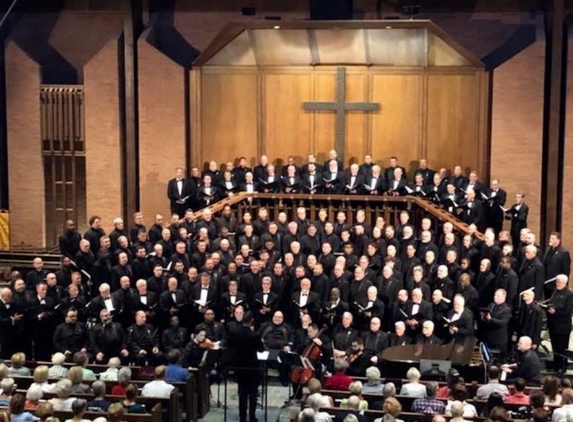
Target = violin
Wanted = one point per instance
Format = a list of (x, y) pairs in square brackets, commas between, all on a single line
[(301, 375)]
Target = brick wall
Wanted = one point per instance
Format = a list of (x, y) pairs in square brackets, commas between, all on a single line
[(26, 181), (517, 120), (103, 162), (161, 127)]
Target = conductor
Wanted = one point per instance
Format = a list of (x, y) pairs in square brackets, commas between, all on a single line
[(244, 343)]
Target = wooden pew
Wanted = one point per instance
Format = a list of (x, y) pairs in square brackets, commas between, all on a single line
[(153, 416), (171, 410), (405, 416), (188, 391)]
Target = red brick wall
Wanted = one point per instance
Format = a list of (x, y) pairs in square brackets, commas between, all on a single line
[(161, 127), (103, 162), (517, 120), (78, 36), (26, 171)]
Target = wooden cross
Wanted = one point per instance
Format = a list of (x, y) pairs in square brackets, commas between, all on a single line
[(340, 107)]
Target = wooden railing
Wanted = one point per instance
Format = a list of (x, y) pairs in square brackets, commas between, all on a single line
[(388, 207)]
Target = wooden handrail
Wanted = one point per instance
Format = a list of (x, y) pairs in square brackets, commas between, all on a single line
[(426, 205)]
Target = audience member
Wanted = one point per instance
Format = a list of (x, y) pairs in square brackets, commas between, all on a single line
[(339, 381), (493, 385), (98, 402), (123, 380), (33, 396), (551, 390), (392, 409), (413, 386), (17, 412), (315, 402), (374, 384), (58, 370), (76, 376), (459, 395), (41, 375), (129, 403), (112, 371), (17, 367), (7, 386), (519, 397), (79, 408), (63, 391), (158, 387), (355, 389), (429, 405)]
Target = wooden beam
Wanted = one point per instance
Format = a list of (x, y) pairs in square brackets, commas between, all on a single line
[(554, 124), (132, 27)]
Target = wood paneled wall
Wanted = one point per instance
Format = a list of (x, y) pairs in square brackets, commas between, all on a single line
[(441, 114)]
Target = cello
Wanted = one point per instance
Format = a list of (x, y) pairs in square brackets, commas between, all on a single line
[(301, 375)]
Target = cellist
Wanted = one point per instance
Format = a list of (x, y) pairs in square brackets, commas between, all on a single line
[(317, 348)]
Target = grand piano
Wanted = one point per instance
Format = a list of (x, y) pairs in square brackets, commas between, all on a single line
[(464, 357)]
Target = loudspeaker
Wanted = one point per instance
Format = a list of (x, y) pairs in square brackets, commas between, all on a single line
[(321, 10)]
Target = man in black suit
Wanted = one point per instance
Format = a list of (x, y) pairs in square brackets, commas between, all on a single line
[(418, 311), (507, 279), (306, 168), (69, 240), (173, 299), (122, 269), (427, 174), (260, 170), (458, 179), (243, 346), (376, 183), (495, 322), (397, 184), (472, 209), (427, 336), (304, 302), (104, 301), (518, 215), (451, 199), (179, 192), (41, 318), (11, 324), (266, 302), (559, 310), (332, 178), (496, 198), (556, 261), (527, 367), (240, 171), (231, 299), (205, 295), (228, 186), (399, 336), (312, 179), (366, 167), (208, 193), (474, 184), (460, 321), (529, 318), (389, 172), (107, 339), (143, 300), (291, 182), (270, 181), (249, 185), (354, 181), (531, 273)]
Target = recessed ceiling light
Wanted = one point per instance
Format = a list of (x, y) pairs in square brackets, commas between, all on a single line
[(277, 27)]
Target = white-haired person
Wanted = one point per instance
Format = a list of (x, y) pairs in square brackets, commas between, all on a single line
[(355, 389), (315, 402), (112, 371), (374, 383), (41, 375), (58, 370), (33, 396), (413, 387), (63, 401)]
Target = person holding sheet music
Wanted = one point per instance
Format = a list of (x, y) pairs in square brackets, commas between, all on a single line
[(305, 301), (451, 199), (354, 181), (291, 182), (265, 303), (368, 307), (41, 317), (556, 260), (558, 308), (495, 322), (518, 214), (460, 321), (332, 178), (494, 203), (312, 180), (231, 299), (376, 183), (179, 191), (398, 183), (531, 272)]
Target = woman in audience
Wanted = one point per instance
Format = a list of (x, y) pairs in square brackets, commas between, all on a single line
[(3, 371), (460, 394), (57, 370), (307, 415), (115, 412), (33, 396), (76, 376), (413, 387), (315, 387), (123, 380), (494, 400), (355, 389), (111, 373), (79, 408), (41, 374), (374, 384), (551, 391), (392, 409), (81, 360), (7, 387), (44, 410), (129, 403), (63, 390), (17, 367), (315, 402), (452, 379), (99, 402), (499, 414), (339, 381), (17, 410)]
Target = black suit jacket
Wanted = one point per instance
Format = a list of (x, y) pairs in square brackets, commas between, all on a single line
[(497, 327), (357, 187), (493, 204), (379, 186), (173, 193), (312, 304), (465, 324), (316, 186), (557, 261), (289, 186), (531, 274), (336, 185), (208, 199), (166, 301), (389, 175), (227, 190)]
